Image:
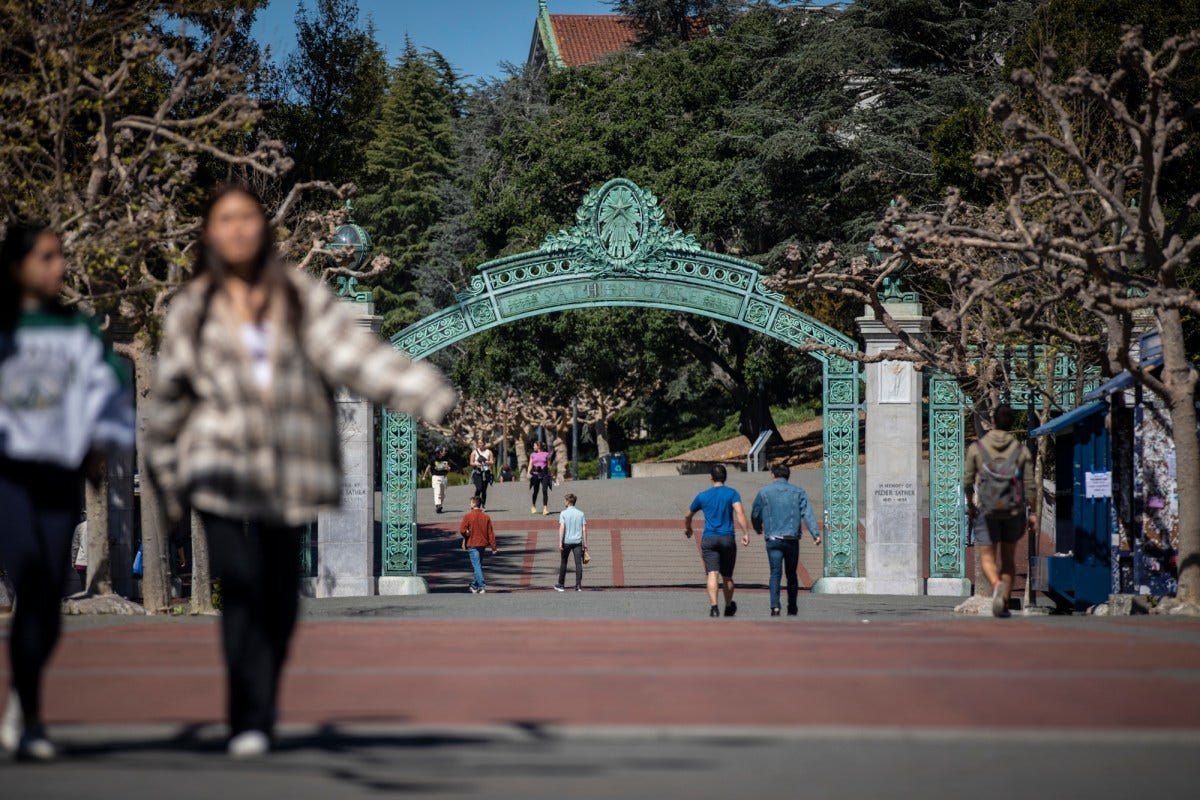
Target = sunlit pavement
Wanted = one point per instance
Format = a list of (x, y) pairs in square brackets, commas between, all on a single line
[(625, 693)]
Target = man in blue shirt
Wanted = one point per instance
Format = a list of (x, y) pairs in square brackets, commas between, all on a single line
[(721, 506), (779, 513)]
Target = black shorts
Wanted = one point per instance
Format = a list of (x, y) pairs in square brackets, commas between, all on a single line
[(995, 531), (720, 554)]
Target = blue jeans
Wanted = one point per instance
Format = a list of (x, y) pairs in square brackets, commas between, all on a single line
[(476, 565), (784, 553)]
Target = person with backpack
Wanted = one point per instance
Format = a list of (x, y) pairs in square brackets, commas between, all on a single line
[(482, 461), (998, 482)]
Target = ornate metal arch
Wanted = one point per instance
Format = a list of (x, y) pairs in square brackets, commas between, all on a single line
[(619, 252)]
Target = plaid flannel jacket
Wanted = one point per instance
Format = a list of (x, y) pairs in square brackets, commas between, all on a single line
[(214, 441)]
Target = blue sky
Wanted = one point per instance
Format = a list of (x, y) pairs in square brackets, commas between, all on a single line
[(475, 35)]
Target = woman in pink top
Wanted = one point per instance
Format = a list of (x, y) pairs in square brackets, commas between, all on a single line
[(539, 476)]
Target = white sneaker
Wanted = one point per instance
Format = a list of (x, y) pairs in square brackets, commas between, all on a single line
[(249, 744), (999, 606), (11, 724), (36, 748), (558, 587)]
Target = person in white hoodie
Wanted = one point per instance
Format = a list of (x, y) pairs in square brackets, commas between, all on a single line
[(63, 401)]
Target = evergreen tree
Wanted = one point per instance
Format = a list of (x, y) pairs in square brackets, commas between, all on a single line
[(666, 22), (331, 88), (408, 160)]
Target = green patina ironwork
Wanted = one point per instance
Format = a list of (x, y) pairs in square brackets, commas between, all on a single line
[(619, 252), (947, 517), (948, 409)]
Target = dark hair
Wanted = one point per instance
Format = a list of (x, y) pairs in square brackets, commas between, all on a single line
[(19, 241), (475, 501), (717, 473), (570, 498), (781, 471), (269, 269), (1003, 417)]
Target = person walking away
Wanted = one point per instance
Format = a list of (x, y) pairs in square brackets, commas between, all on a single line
[(572, 540), (722, 508), (63, 402), (478, 533), (998, 481), (780, 513), (440, 466), (539, 477), (243, 429), (482, 462)]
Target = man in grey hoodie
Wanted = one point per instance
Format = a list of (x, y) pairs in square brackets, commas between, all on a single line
[(996, 459)]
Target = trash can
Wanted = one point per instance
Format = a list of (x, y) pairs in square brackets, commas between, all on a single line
[(619, 466), (605, 465)]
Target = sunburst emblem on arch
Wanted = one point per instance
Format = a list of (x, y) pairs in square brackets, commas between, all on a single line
[(621, 252)]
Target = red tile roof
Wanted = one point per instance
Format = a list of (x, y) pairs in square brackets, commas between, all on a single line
[(587, 38)]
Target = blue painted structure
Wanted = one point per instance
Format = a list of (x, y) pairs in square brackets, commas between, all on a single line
[(1079, 574)]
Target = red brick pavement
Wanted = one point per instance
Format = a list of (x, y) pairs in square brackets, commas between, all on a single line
[(636, 553), (926, 673)]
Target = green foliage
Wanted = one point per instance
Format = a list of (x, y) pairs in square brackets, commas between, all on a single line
[(328, 104), (407, 161), (660, 23), (665, 448)]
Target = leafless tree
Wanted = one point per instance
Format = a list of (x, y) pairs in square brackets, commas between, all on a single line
[(109, 117)]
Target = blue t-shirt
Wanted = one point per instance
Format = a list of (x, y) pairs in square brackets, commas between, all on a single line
[(572, 520), (717, 505)]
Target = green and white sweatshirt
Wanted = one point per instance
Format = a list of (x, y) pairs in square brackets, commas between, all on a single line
[(62, 391)]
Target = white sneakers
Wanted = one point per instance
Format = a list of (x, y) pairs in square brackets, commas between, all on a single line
[(249, 744), (11, 724), (14, 739)]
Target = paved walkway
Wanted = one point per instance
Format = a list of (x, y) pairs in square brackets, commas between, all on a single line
[(635, 535), (635, 693)]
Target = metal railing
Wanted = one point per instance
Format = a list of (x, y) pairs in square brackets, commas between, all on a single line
[(756, 458)]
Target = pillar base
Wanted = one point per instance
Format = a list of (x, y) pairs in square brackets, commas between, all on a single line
[(331, 586), (947, 587), (840, 586), (894, 586), (396, 586)]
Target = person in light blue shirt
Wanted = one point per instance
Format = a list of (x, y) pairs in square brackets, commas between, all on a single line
[(572, 540), (722, 507), (779, 513)]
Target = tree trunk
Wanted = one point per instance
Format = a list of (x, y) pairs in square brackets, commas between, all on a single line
[(602, 444), (156, 566), (201, 576), (1180, 379), (521, 450), (562, 455), (99, 563)]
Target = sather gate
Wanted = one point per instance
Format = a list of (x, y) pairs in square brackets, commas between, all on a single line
[(619, 253)]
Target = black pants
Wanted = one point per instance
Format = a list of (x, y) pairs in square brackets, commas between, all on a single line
[(480, 478), (567, 550), (39, 508), (258, 565), (540, 480)]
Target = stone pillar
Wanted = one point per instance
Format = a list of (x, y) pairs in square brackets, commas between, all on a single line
[(894, 563), (346, 535)]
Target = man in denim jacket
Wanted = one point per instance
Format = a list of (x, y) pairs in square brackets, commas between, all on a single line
[(780, 511)]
